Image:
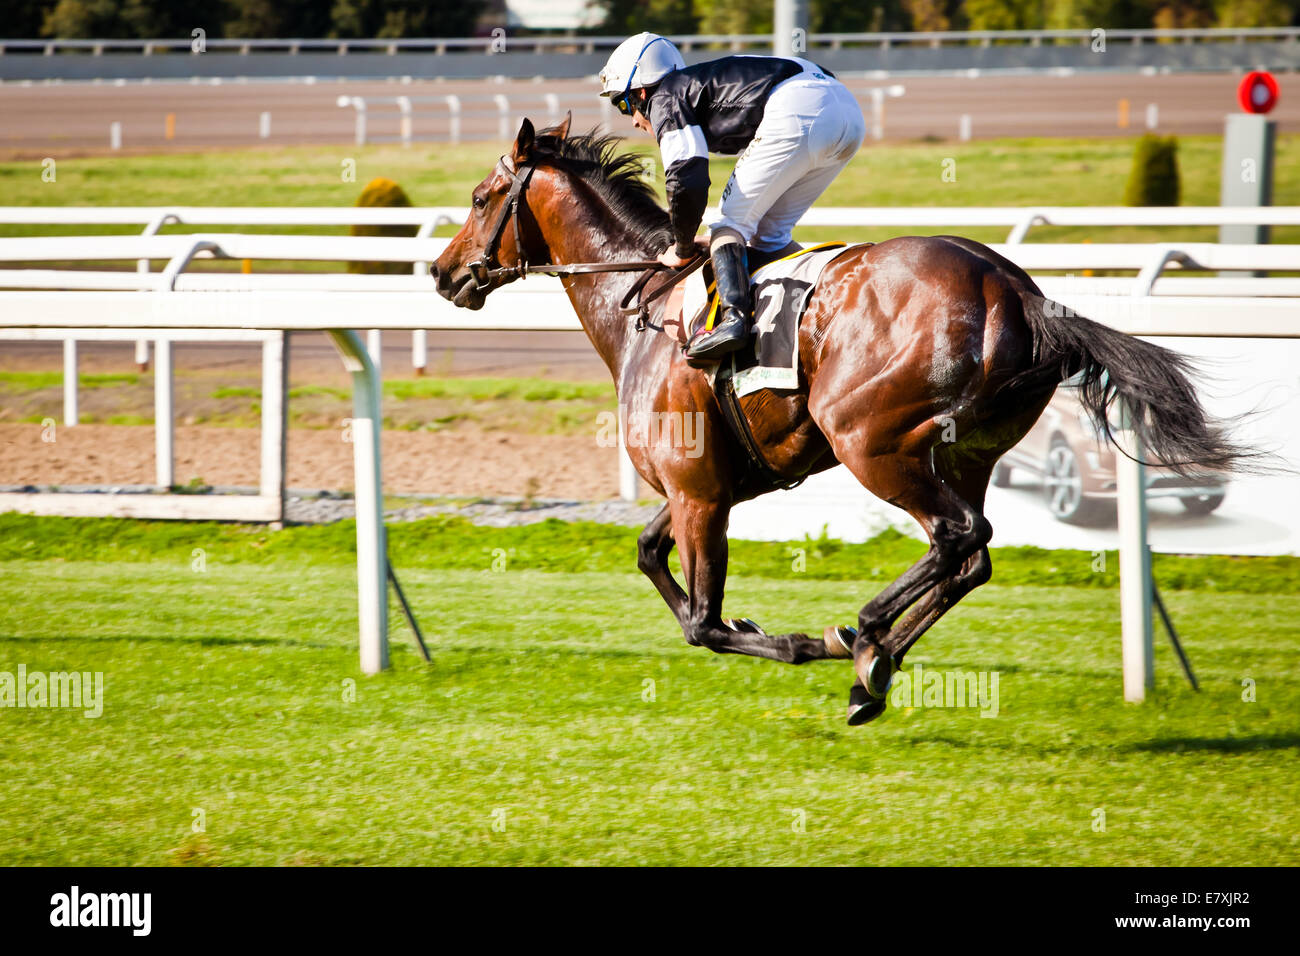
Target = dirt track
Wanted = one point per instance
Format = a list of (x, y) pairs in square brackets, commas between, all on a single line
[(463, 462), (54, 119)]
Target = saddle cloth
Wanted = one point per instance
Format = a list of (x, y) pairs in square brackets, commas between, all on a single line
[(780, 291)]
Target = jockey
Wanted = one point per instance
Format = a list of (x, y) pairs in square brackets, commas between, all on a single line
[(797, 126)]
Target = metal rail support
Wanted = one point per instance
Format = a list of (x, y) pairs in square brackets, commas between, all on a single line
[(372, 544)]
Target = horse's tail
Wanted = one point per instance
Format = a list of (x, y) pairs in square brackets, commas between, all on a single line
[(1154, 382)]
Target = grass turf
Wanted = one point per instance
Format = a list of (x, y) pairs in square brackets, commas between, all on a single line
[(564, 720)]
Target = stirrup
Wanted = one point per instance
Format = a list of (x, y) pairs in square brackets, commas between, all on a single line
[(731, 336)]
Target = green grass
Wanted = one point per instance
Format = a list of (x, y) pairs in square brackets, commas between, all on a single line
[(563, 701), (237, 391), (1001, 172), (520, 389), (30, 381), (453, 543)]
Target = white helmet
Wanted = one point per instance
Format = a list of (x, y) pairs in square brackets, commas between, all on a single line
[(642, 60)]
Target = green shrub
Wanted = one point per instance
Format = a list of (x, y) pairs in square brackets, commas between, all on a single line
[(1154, 179), (382, 192)]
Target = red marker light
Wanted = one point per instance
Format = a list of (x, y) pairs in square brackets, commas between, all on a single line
[(1257, 92)]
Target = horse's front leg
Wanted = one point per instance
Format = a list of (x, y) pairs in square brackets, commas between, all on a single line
[(700, 528), (652, 550)]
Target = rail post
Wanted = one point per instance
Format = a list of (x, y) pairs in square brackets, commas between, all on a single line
[(453, 126), (404, 105), (372, 548), (420, 337), (69, 381), (503, 116), (275, 384), (163, 417), (1134, 563), (358, 103)]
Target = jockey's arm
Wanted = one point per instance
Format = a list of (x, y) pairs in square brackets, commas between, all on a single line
[(686, 169)]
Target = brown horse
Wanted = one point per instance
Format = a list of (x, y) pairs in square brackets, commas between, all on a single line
[(923, 360)]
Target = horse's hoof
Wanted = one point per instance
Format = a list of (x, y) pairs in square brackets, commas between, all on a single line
[(863, 708), (877, 674), (744, 625), (839, 641)]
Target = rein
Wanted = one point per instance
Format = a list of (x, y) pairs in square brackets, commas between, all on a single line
[(487, 267)]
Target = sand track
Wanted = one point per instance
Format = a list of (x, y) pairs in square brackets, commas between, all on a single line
[(460, 462)]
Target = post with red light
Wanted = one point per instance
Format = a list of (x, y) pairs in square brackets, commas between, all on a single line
[(1248, 142)]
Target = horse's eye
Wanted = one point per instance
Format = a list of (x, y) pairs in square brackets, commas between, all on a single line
[(479, 202)]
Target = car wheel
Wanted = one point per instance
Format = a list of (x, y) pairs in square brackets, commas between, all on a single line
[(1001, 475), (1063, 486), (1201, 504)]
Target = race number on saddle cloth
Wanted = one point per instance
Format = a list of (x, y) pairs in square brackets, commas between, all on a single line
[(781, 290)]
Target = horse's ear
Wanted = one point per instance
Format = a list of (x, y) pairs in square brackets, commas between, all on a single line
[(523, 148), (562, 128)]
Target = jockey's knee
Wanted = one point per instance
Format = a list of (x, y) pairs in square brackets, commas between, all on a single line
[(721, 236)]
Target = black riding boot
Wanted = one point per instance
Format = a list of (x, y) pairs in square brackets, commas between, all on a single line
[(731, 270)]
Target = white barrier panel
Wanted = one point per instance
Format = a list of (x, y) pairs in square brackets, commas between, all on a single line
[(1020, 219), (266, 505), (529, 310), (1259, 515)]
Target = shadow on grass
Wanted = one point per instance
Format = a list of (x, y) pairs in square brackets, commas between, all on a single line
[(202, 640), (1219, 744), (1077, 748)]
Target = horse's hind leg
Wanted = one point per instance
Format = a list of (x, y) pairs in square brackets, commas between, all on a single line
[(939, 600), (957, 531)]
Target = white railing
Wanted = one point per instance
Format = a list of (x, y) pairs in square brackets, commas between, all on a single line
[(314, 305), (1149, 258), (590, 44), (158, 217), (265, 506), (1019, 218), (406, 109)]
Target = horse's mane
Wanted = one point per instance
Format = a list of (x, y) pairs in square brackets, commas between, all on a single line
[(617, 177)]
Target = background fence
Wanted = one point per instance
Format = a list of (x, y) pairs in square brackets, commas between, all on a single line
[(567, 57)]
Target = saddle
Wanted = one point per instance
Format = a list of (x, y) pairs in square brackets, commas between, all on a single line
[(780, 297), (652, 285)]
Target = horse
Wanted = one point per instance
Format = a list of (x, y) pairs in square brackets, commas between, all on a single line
[(922, 361)]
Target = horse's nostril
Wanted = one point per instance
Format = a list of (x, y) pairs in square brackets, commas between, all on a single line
[(441, 280)]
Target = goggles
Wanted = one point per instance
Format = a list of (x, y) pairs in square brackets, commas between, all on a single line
[(623, 103)]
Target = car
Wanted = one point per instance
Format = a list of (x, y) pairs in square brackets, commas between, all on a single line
[(1077, 467)]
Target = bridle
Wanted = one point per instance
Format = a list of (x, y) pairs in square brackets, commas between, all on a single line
[(481, 268), (487, 267)]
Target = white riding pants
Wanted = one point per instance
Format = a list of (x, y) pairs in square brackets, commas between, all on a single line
[(811, 127)]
